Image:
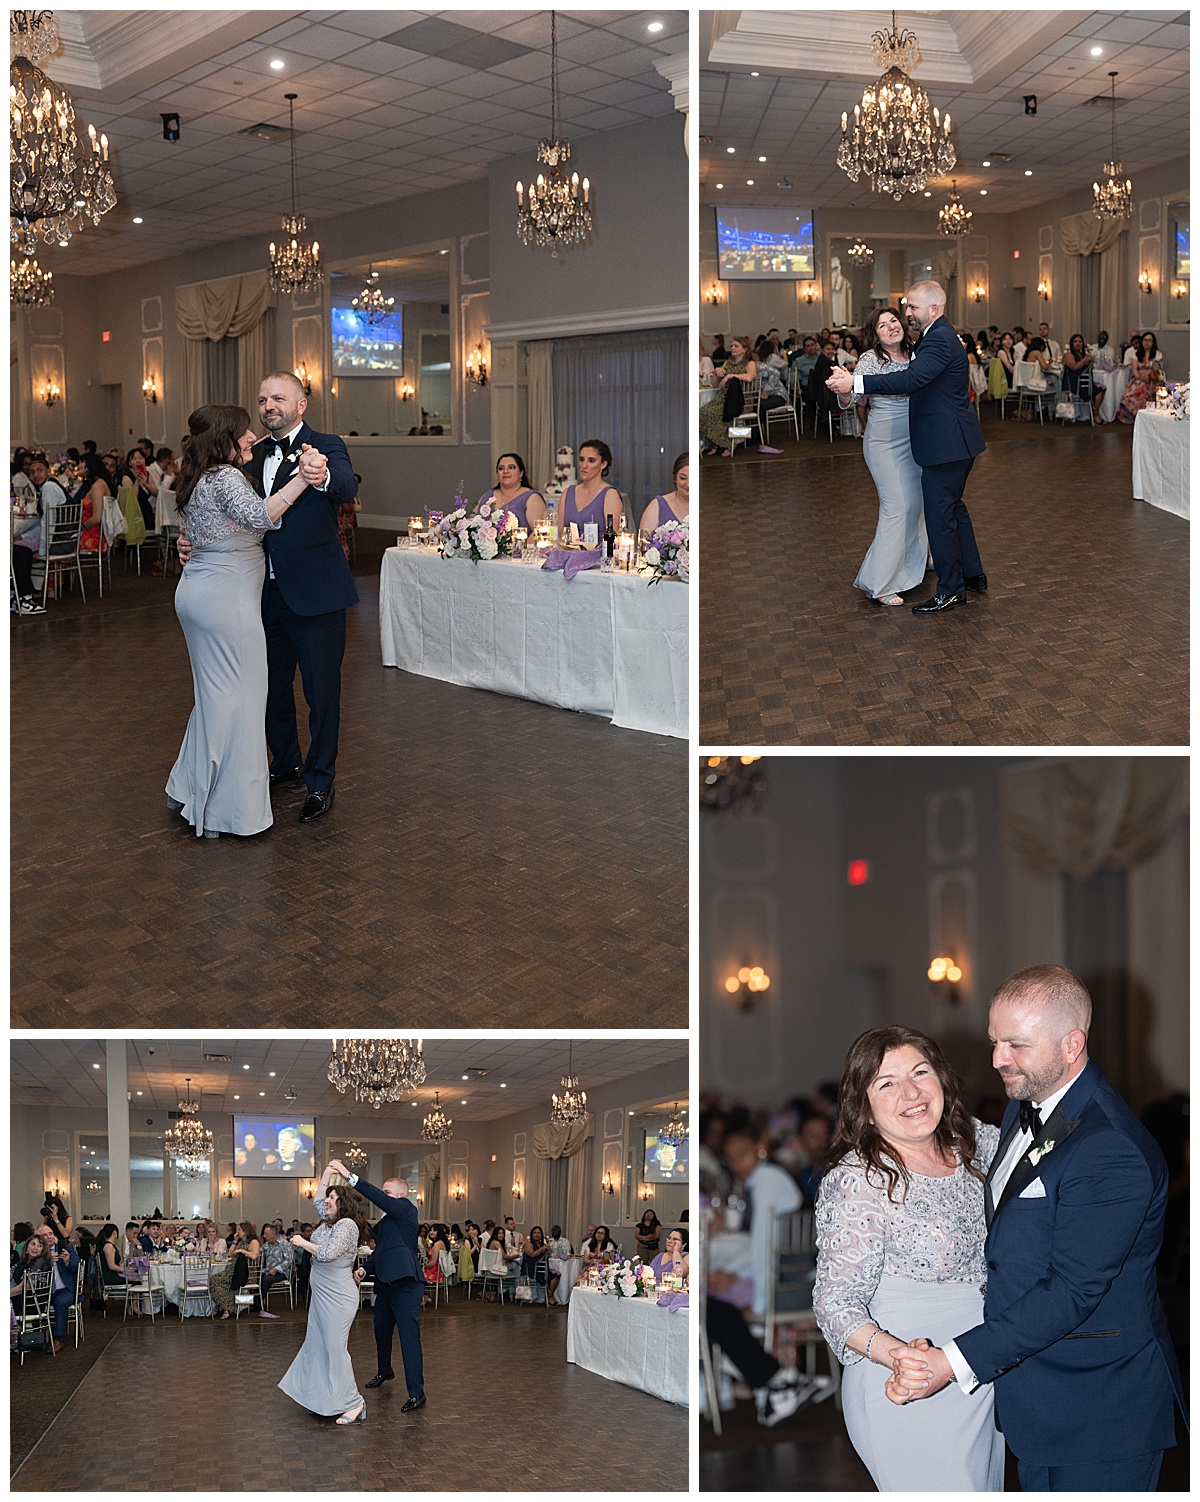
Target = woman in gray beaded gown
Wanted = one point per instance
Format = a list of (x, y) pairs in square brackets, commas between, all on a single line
[(900, 1237), (219, 782), (896, 559), (321, 1378)]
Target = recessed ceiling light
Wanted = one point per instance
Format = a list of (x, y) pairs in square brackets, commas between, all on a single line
[(928, 194), (754, 75), (277, 63), (237, 1097), (983, 192), (272, 1074), (1097, 51), (464, 1076), (762, 158), (139, 1092), (464, 1102), (95, 1066), (245, 1066), (655, 26), (504, 1087), (749, 182), (137, 219), (631, 1113), (1029, 172), (720, 185), (987, 164), (731, 149), (261, 1093), (443, 252)]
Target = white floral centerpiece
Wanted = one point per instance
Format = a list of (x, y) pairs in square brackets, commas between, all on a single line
[(1175, 398), (628, 1279), (669, 552), (487, 534)]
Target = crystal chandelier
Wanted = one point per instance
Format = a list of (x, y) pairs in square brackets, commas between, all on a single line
[(29, 285), (437, 1126), (371, 302), (954, 218), (56, 181), (860, 254), (572, 1103), (675, 1133), (1115, 199), (295, 266), (556, 213), (355, 1157), (93, 1186), (892, 141), (189, 1141), (377, 1069)]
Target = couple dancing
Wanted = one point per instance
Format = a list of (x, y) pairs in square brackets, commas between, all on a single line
[(321, 1378), (986, 1286), (264, 589), (921, 440)]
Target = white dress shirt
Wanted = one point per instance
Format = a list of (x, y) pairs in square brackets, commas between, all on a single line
[(771, 1188), (1013, 1153), (1019, 349)]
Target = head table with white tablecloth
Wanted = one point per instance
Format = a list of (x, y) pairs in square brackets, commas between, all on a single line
[(608, 644), (634, 1341), (1162, 461)]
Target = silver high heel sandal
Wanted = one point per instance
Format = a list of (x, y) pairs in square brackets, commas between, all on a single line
[(347, 1418)]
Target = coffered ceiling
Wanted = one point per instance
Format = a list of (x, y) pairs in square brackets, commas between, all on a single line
[(252, 1074), (773, 85), (391, 103)]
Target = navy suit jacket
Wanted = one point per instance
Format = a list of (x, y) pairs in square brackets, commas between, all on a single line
[(306, 551), (1074, 1338), (942, 426), (396, 1255)]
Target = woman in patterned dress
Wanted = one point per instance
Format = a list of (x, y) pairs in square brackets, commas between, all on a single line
[(900, 1238), (220, 1284)]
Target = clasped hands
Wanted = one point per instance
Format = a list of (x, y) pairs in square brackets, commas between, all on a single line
[(313, 466), (919, 1370), (335, 1165), (841, 381)]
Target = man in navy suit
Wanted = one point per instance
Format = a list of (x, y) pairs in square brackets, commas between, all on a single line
[(945, 437), (306, 591), (1074, 1339), (395, 1265)]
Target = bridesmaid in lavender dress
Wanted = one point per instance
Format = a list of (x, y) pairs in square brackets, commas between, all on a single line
[(900, 1239), (591, 500), (513, 491), (669, 508)]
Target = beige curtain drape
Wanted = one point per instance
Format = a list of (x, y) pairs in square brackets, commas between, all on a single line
[(945, 271), (1086, 235), (540, 377), (431, 1166), (1081, 815), (573, 1142), (230, 307)]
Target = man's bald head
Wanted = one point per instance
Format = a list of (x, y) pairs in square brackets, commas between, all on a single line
[(1038, 1024), (1055, 992), (926, 301), (397, 1189)]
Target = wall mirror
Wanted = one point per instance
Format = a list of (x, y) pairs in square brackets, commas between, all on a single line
[(656, 1173), (1177, 266)]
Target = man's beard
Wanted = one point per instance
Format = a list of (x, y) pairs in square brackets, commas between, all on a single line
[(1028, 1086)]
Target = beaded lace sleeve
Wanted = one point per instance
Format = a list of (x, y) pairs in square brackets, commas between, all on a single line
[(340, 1240), (851, 1234), (237, 498)]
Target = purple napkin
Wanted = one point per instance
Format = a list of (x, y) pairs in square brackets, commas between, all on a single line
[(571, 561), (673, 1301)]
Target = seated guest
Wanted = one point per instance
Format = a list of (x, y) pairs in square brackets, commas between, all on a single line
[(1130, 347), (1006, 354), (1020, 342), (673, 506), (1075, 361), (95, 486), (152, 1238), (1103, 359), (648, 1234), (1037, 355), (1053, 347), (708, 374), (772, 390), (513, 491), (512, 1239), (276, 1260), (778, 1391), (599, 1248), (815, 1134), (62, 1260), (803, 359), (1145, 378), (163, 468), (591, 500), (817, 393), (535, 1253), (132, 1244), (112, 1268), (849, 352), (719, 353), (560, 1250), (20, 483), (438, 1242), (715, 416), (485, 1235), (672, 1261), (221, 1285)]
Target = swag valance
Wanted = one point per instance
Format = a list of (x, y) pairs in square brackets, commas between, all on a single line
[(553, 1140), (225, 308)]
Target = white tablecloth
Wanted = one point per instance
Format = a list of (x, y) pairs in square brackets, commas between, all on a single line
[(729, 1252), (1115, 381), (631, 1341), (1161, 467), (169, 1277), (568, 1270), (605, 644)]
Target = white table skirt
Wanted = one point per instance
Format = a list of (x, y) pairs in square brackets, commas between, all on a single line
[(568, 1270), (169, 1277), (631, 1341), (1161, 462), (1115, 381), (604, 644)]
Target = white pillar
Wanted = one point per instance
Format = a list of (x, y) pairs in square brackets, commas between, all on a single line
[(119, 1188)]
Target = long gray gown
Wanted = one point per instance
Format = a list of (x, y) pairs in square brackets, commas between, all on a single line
[(321, 1378), (897, 556), (913, 1268), (220, 775)]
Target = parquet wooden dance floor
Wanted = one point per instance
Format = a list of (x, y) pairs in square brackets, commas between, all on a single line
[(1082, 639), (488, 862)]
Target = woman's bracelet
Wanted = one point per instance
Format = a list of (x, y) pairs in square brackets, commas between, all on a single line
[(870, 1343)]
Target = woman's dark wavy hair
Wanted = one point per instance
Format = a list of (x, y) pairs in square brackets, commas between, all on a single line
[(213, 434), (351, 1206), (681, 462), (603, 450), (856, 1131), (871, 337), (520, 465)]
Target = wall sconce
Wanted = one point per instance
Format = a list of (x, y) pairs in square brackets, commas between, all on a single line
[(476, 370), (1044, 291), (809, 294), (978, 293), (458, 1194), (302, 375), (1145, 284), (149, 391), (230, 1190), (1180, 289), (646, 1192), (56, 1189), (407, 390), (746, 986), (715, 296), (606, 1184), (420, 1197), (516, 1191), (50, 393), (944, 972)]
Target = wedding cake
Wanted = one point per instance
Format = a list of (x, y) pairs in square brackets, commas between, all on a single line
[(564, 473)]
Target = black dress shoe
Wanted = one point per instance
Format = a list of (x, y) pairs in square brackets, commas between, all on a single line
[(380, 1378), (413, 1404), (316, 806), (939, 602), (290, 775), (977, 582)]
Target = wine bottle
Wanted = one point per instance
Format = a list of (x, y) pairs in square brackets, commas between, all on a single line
[(610, 537)]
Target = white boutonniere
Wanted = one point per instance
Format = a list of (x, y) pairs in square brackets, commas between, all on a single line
[(1038, 1153)]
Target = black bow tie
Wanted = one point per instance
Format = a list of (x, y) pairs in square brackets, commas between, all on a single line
[(1031, 1117)]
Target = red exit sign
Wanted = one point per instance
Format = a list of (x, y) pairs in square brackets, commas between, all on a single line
[(858, 873), (106, 336)]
